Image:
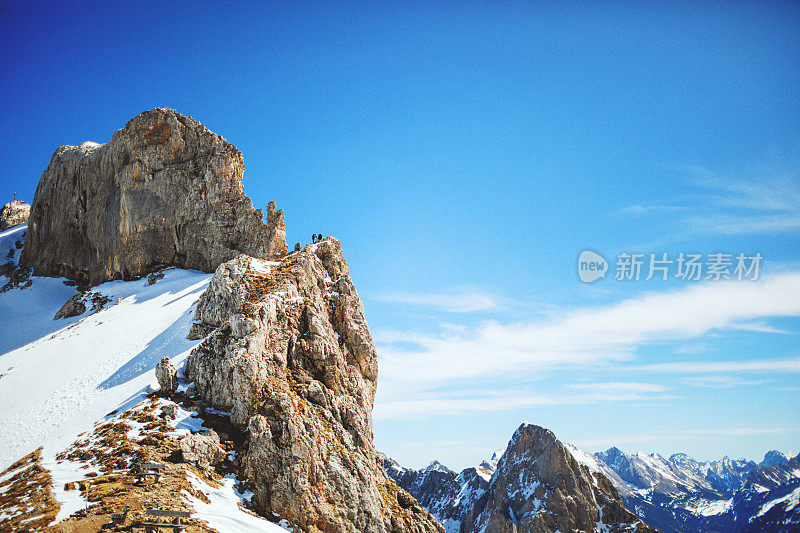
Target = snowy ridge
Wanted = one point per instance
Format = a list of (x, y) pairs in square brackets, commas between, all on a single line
[(88, 365), (58, 377)]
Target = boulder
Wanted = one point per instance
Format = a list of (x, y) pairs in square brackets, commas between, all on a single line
[(163, 191), (14, 213), (202, 449), (169, 411), (165, 374), (73, 307)]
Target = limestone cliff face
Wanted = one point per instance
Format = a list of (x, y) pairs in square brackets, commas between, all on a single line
[(291, 358), (540, 487), (163, 191)]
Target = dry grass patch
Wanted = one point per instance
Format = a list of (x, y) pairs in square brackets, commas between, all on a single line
[(26, 497)]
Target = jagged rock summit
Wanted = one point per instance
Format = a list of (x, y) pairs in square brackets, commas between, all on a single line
[(539, 487), (163, 191), (14, 213), (290, 356)]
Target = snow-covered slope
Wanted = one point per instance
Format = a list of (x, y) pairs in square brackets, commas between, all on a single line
[(678, 493), (58, 378)]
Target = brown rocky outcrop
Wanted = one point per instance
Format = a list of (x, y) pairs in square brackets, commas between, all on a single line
[(202, 449), (291, 358), (163, 191), (540, 487), (72, 307), (13, 214), (165, 375)]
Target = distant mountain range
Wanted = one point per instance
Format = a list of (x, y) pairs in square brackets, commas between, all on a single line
[(675, 494)]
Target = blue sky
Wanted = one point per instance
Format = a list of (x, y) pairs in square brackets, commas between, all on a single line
[(465, 154)]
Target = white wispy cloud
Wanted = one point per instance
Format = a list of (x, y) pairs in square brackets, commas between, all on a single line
[(681, 435), (720, 382), (760, 327), (427, 403), (756, 202), (617, 386), (697, 367), (454, 302), (583, 337), (640, 209)]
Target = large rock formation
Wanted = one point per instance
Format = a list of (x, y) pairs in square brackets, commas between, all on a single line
[(291, 358), (163, 191), (540, 487), (14, 213)]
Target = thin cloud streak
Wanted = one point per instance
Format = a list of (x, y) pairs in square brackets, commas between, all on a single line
[(679, 435), (762, 205), (720, 382), (585, 337), (699, 367), (450, 403), (466, 302)]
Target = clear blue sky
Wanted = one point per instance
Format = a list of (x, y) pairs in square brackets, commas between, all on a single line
[(465, 153)]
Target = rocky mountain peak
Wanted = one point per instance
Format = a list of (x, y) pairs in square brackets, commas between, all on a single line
[(163, 191), (14, 213), (774, 457), (539, 486), (436, 466), (290, 356)]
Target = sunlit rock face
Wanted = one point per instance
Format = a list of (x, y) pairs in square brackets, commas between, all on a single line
[(540, 487), (291, 358), (163, 191), (13, 214)]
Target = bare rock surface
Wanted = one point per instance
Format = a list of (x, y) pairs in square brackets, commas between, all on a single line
[(72, 307), (540, 487), (163, 191), (291, 358), (13, 214), (165, 375), (202, 449)]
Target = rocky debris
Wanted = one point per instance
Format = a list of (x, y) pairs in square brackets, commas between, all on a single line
[(163, 191), (169, 411), (18, 277), (291, 358), (165, 374), (13, 214), (73, 307), (202, 449), (99, 301), (154, 277), (540, 487), (77, 304)]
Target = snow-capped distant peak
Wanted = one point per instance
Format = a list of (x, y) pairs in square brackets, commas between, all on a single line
[(435, 466), (491, 464), (774, 457)]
